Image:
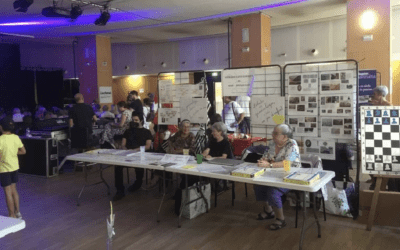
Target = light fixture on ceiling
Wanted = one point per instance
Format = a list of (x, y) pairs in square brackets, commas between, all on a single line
[(206, 61), (22, 5), (183, 63), (215, 74), (163, 64), (314, 52), (283, 54), (104, 17)]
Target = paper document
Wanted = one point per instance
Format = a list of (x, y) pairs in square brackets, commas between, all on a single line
[(177, 159), (213, 169)]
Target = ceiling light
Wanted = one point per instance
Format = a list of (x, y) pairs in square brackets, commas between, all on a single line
[(215, 74), (22, 5), (368, 20), (76, 11), (103, 19)]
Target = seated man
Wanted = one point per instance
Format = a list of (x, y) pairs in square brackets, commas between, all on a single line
[(82, 115), (133, 138), (106, 113)]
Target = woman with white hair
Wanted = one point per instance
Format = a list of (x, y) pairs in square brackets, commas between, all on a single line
[(281, 148), (219, 146), (379, 96)]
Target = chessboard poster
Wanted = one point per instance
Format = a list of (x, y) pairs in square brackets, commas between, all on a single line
[(337, 82), (304, 125), (337, 127), (302, 104), (337, 105), (321, 147), (303, 83), (380, 145)]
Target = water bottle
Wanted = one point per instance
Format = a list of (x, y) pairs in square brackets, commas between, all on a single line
[(237, 131), (28, 132)]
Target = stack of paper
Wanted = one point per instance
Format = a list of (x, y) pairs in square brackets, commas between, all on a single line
[(301, 178), (248, 171)]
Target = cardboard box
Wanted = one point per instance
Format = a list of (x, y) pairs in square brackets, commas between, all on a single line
[(387, 210)]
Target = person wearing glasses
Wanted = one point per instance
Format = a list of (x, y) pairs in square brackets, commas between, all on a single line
[(281, 148)]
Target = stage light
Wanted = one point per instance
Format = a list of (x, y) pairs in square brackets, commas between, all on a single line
[(22, 5), (103, 19), (76, 11)]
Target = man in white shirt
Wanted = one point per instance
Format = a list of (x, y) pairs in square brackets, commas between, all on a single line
[(17, 116), (244, 102), (232, 114), (106, 113)]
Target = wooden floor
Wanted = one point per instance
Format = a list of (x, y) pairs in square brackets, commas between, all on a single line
[(53, 221)]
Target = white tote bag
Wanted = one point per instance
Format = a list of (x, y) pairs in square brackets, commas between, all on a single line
[(337, 201), (198, 207)]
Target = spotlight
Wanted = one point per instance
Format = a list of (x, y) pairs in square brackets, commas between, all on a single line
[(76, 11), (103, 19), (22, 5)]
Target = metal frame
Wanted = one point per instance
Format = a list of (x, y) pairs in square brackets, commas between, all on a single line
[(357, 114)]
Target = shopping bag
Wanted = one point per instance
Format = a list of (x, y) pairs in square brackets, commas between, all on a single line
[(337, 202), (198, 207)]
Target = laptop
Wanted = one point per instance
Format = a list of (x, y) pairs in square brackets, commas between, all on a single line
[(225, 162)]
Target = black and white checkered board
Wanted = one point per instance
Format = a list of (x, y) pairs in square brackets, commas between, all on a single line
[(380, 140)]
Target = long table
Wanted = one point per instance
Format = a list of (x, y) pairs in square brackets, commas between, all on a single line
[(271, 177)]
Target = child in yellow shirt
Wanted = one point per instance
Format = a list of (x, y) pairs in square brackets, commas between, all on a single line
[(10, 147)]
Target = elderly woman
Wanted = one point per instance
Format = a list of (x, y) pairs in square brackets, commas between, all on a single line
[(183, 139), (379, 96), (281, 148), (112, 129), (219, 146)]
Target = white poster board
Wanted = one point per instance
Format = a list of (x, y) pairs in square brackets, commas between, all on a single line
[(166, 91), (265, 107), (304, 125), (105, 95), (337, 105), (337, 82), (236, 82), (188, 90), (194, 109), (168, 116), (303, 83), (337, 127), (302, 104), (322, 147)]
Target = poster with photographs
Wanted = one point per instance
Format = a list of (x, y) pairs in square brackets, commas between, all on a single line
[(303, 83), (304, 125), (302, 104), (321, 147), (337, 82), (337, 127), (169, 116), (337, 105)]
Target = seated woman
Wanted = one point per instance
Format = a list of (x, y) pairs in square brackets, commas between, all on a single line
[(379, 96), (112, 129), (183, 139), (281, 148), (219, 147)]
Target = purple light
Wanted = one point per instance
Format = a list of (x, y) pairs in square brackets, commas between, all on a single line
[(22, 23)]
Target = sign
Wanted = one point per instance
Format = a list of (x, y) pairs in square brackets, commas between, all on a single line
[(366, 82), (105, 94)]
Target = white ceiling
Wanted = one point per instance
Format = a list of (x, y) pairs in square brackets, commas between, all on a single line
[(153, 20)]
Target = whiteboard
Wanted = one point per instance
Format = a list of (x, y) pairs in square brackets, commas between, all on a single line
[(236, 82), (265, 107), (194, 109), (168, 116)]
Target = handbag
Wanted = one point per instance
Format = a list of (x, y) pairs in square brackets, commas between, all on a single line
[(198, 207)]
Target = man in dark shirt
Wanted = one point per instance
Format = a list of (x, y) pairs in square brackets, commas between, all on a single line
[(135, 103), (133, 138), (81, 115)]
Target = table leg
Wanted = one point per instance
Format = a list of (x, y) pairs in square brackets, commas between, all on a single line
[(245, 189), (315, 215), (233, 193), (84, 185), (215, 192), (162, 199), (104, 181), (202, 195), (304, 221), (323, 204), (184, 203)]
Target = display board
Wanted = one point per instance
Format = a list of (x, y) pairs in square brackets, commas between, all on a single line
[(264, 108), (337, 127), (380, 145), (194, 109), (304, 125), (324, 148), (168, 116), (306, 83), (337, 104), (302, 104), (337, 82), (166, 91)]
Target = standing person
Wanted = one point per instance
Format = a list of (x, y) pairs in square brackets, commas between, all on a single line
[(244, 102), (10, 147), (133, 138), (134, 102), (82, 115), (232, 114)]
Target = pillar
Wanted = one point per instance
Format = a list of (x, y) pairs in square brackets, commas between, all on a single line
[(256, 50)]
